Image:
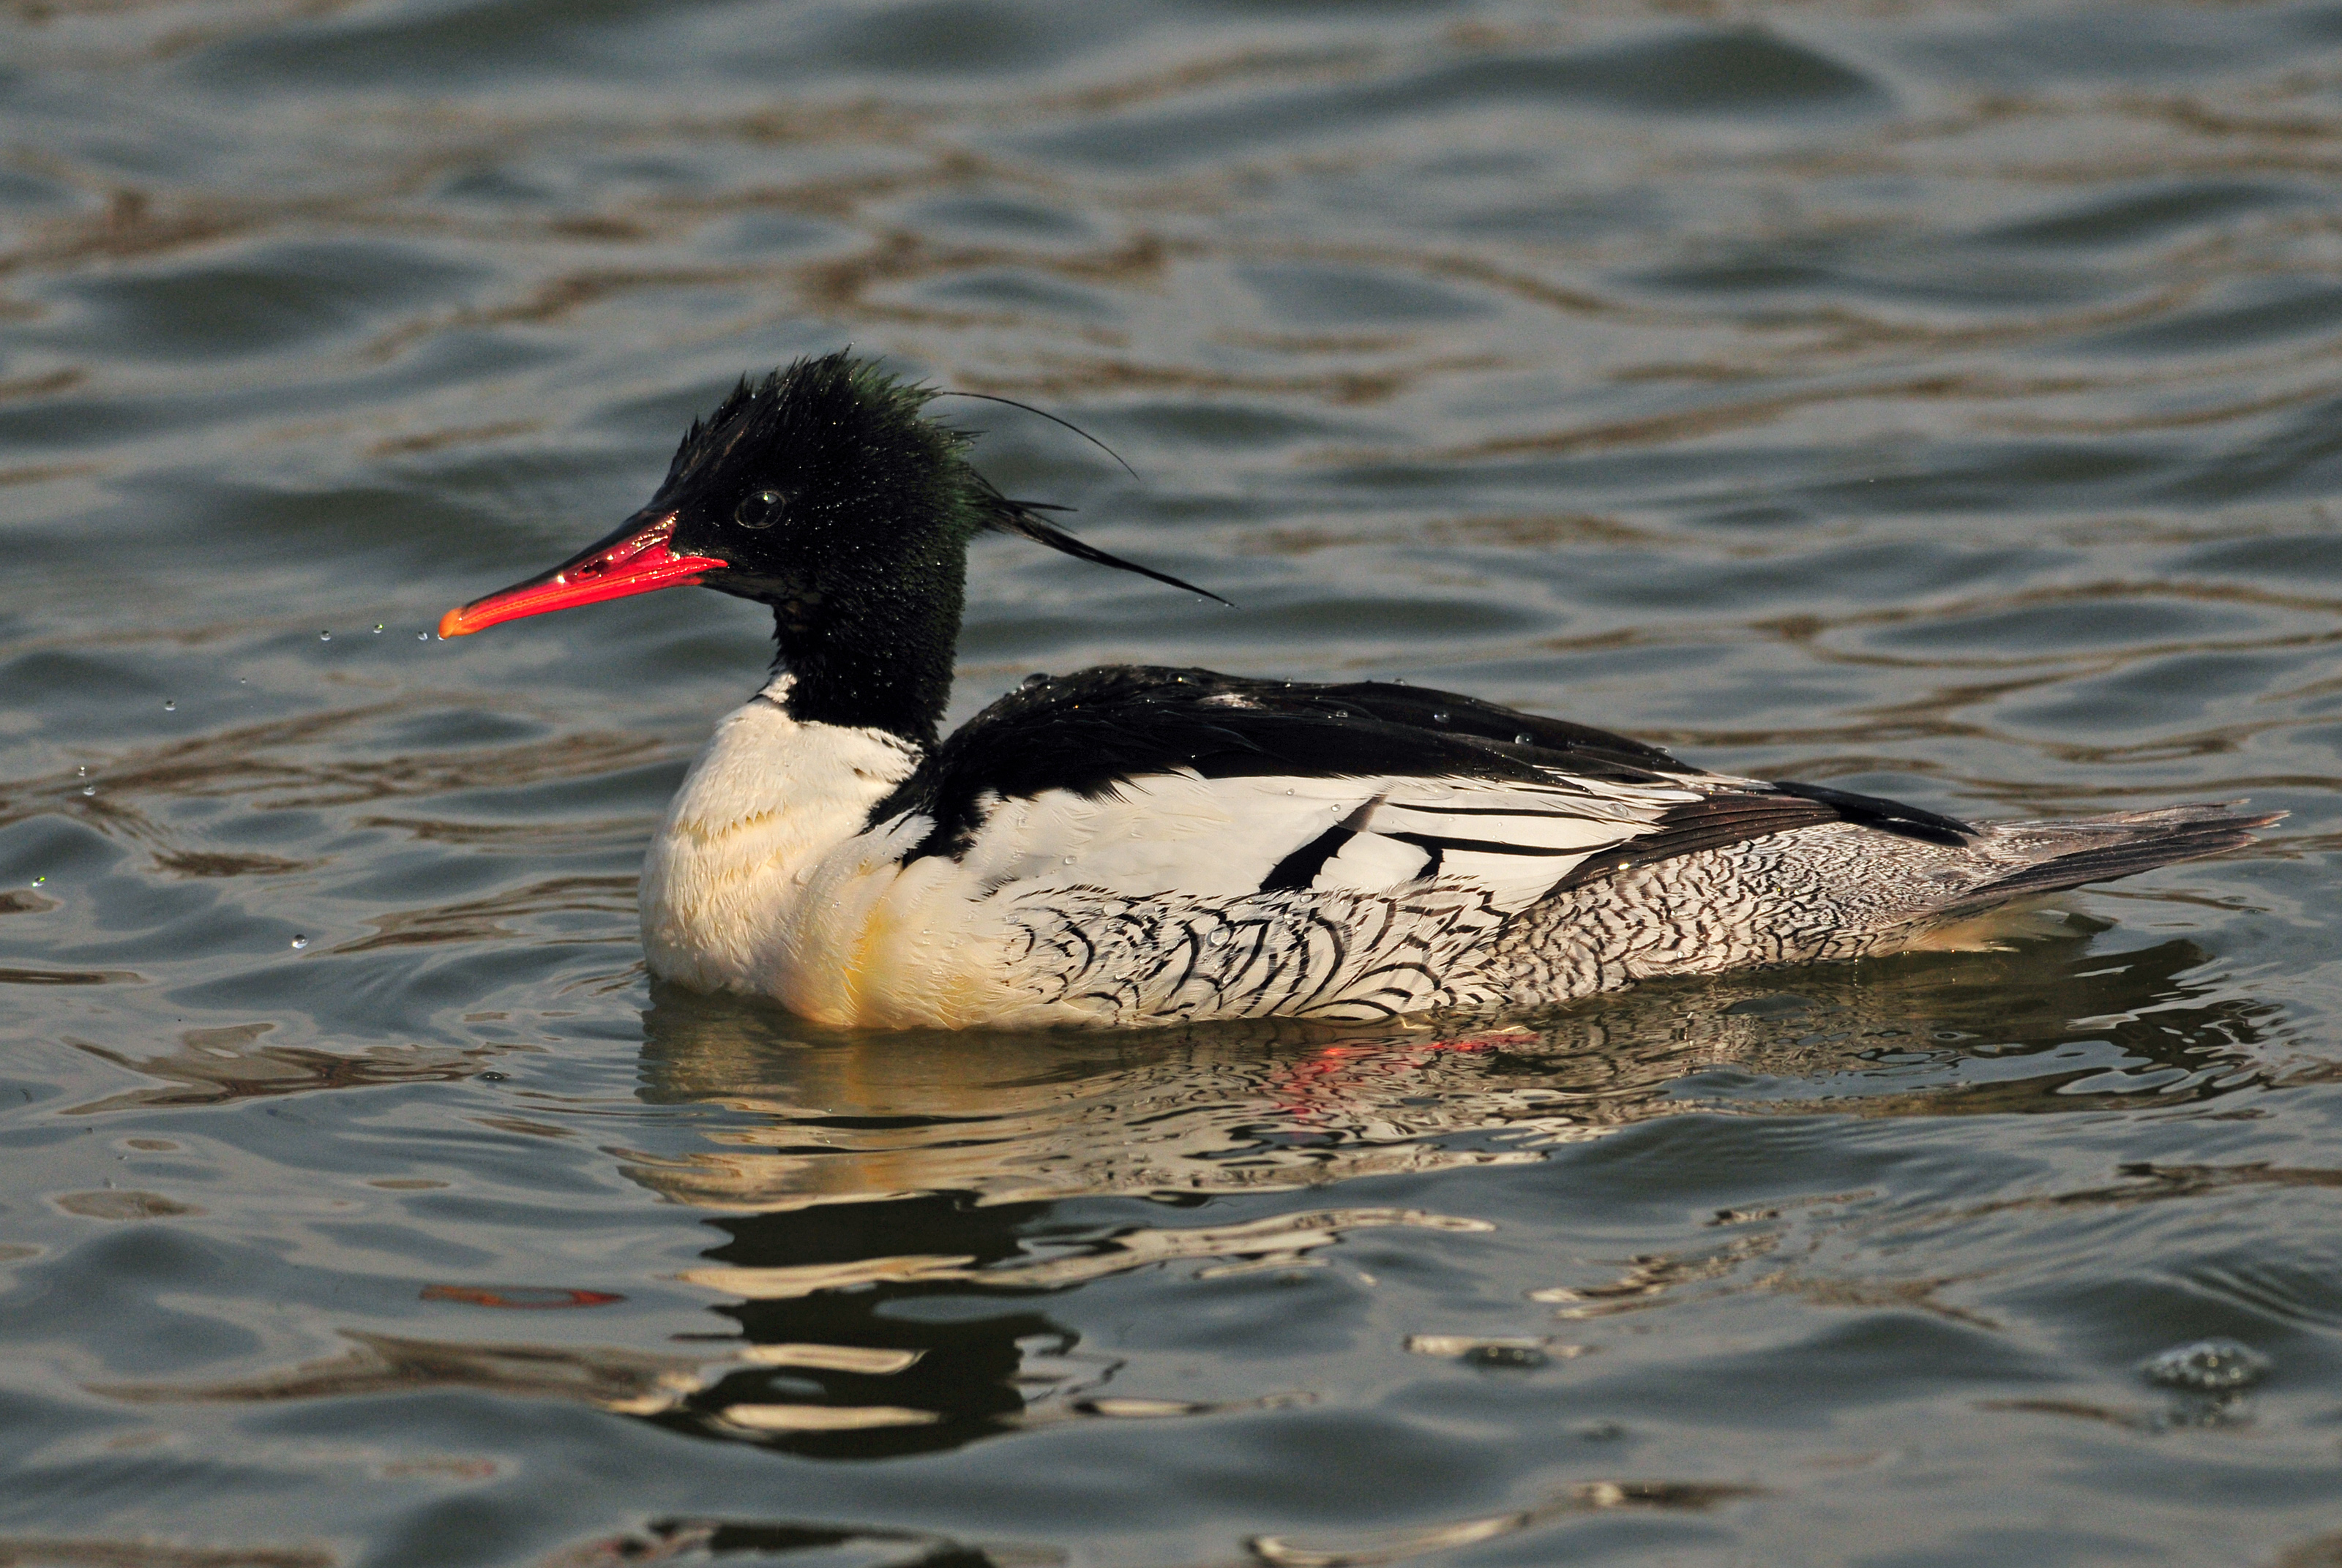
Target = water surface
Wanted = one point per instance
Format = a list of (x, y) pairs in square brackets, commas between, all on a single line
[(1939, 401)]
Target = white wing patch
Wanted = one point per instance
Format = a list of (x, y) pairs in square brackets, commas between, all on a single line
[(1165, 833), (1178, 833)]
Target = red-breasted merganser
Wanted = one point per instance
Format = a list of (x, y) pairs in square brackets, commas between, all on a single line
[(1133, 845)]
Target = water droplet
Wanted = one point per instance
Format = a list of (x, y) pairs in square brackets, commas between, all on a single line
[(377, 628), (299, 942), (170, 706), (1440, 716), (1399, 680), (2207, 1367), (89, 789), (1036, 679), (1523, 739), (1069, 860), (81, 772), (422, 636), (1219, 936), (324, 636), (1289, 789), (1341, 713), (38, 880)]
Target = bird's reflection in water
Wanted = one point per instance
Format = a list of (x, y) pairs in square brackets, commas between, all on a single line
[(917, 1382), (901, 1212), (900, 1203), (811, 1115)]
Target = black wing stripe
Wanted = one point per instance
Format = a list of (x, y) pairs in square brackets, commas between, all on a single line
[(1529, 813), (1886, 816), (1300, 868), (1440, 846)]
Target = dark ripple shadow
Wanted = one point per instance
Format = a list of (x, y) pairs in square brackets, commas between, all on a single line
[(1707, 74), (2147, 214), (223, 1065)]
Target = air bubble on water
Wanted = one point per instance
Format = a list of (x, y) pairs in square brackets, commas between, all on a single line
[(1219, 936), (299, 942), (1440, 716), (1522, 739), (377, 628), (170, 707), (324, 636), (422, 636), (81, 772), (38, 880), (1069, 860), (2207, 1367), (89, 789), (1522, 1356), (1341, 713)]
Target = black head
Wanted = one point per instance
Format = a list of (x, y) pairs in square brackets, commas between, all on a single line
[(825, 492), (820, 479)]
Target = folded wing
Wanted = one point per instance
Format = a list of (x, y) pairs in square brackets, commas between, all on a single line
[(1156, 782)]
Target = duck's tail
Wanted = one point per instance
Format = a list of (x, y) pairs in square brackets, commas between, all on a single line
[(2030, 858), (1832, 889)]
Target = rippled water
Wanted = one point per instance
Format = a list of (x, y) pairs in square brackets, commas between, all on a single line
[(1939, 400)]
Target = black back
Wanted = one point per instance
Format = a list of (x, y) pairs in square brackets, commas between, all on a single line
[(1088, 731)]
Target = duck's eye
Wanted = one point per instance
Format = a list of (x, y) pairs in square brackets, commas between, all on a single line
[(760, 509)]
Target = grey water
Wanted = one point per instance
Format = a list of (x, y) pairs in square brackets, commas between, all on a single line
[(1941, 401)]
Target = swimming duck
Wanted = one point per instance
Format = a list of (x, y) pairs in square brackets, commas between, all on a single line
[(1137, 845)]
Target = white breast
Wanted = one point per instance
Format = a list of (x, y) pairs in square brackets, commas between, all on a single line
[(765, 804)]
